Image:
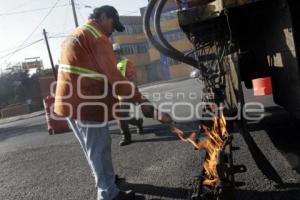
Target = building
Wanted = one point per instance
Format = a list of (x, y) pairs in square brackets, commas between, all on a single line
[(32, 63), (150, 64), (169, 68)]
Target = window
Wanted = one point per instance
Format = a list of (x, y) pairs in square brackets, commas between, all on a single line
[(133, 29), (136, 48), (173, 36), (168, 16)]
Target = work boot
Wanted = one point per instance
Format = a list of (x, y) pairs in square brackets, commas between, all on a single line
[(118, 179), (125, 195), (125, 141), (140, 129)]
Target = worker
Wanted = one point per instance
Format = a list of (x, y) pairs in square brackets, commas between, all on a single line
[(128, 71), (87, 79)]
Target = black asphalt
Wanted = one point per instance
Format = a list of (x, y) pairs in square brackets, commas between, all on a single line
[(157, 165)]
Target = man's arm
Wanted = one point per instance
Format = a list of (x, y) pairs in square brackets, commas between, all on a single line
[(104, 56)]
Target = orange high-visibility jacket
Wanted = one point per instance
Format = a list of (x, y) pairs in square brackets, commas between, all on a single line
[(86, 57)]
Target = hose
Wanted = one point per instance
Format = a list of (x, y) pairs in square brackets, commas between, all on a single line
[(176, 55), (157, 26)]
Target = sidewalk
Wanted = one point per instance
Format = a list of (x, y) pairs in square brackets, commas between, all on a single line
[(147, 85), (20, 117)]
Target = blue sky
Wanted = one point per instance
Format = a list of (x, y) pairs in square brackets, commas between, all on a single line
[(18, 21)]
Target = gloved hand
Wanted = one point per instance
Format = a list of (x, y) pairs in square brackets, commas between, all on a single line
[(150, 112), (164, 118)]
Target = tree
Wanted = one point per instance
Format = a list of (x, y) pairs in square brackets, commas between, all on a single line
[(18, 87)]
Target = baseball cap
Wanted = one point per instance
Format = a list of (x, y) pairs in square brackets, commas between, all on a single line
[(110, 12)]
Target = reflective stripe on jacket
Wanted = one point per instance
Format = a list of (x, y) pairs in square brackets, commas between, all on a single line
[(80, 71), (122, 66)]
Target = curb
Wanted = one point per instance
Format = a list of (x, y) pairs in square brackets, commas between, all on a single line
[(21, 117), (143, 86)]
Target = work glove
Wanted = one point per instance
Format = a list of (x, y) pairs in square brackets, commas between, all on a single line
[(164, 118), (150, 112)]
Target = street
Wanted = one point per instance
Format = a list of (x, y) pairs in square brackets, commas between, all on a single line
[(35, 165)]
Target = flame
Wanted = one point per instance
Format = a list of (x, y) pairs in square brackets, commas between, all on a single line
[(213, 143)]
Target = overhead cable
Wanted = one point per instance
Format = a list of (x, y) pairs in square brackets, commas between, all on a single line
[(35, 29), (31, 10), (21, 48)]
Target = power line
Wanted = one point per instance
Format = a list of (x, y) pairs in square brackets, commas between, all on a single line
[(92, 7), (49, 12), (21, 5), (10, 49), (31, 44), (20, 48), (32, 10), (59, 36)]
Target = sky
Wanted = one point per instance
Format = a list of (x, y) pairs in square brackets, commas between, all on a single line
[(22, 23)]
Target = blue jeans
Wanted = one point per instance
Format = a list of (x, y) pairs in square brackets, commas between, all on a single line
[(96, 145)]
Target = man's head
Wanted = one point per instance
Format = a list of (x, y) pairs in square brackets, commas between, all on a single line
[(108, 18)]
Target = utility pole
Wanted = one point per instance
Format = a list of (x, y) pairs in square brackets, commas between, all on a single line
[(74, 13), (49, 52)]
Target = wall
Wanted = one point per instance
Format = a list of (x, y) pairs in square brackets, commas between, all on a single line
[(45, 84), (14, 110)]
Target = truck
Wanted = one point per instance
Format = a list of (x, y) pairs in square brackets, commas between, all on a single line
[(236, 44), (253, 39)]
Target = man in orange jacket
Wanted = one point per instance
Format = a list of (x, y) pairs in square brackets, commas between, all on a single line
[(87, 93)]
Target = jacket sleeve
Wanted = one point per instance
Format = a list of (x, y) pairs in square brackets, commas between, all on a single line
[(103, 55), (130, 72)]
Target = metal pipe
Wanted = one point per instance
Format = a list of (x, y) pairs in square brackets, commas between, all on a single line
[(176, 56)]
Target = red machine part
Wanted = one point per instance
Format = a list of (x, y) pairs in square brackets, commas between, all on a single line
[(55, 124), (262, 86)]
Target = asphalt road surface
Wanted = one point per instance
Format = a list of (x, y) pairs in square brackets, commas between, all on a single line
[(157, 165)]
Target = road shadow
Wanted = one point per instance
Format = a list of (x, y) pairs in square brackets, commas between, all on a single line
[(5, 121), (160, 139), (163, 129), (260, 159), (258, 156), (154, 192), (6, 133), (293, 194), (283, 130)]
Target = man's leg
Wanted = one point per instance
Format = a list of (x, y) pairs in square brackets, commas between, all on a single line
[(124, 125), (138, 123), (96, 143), (77, 132), (125, 132)]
